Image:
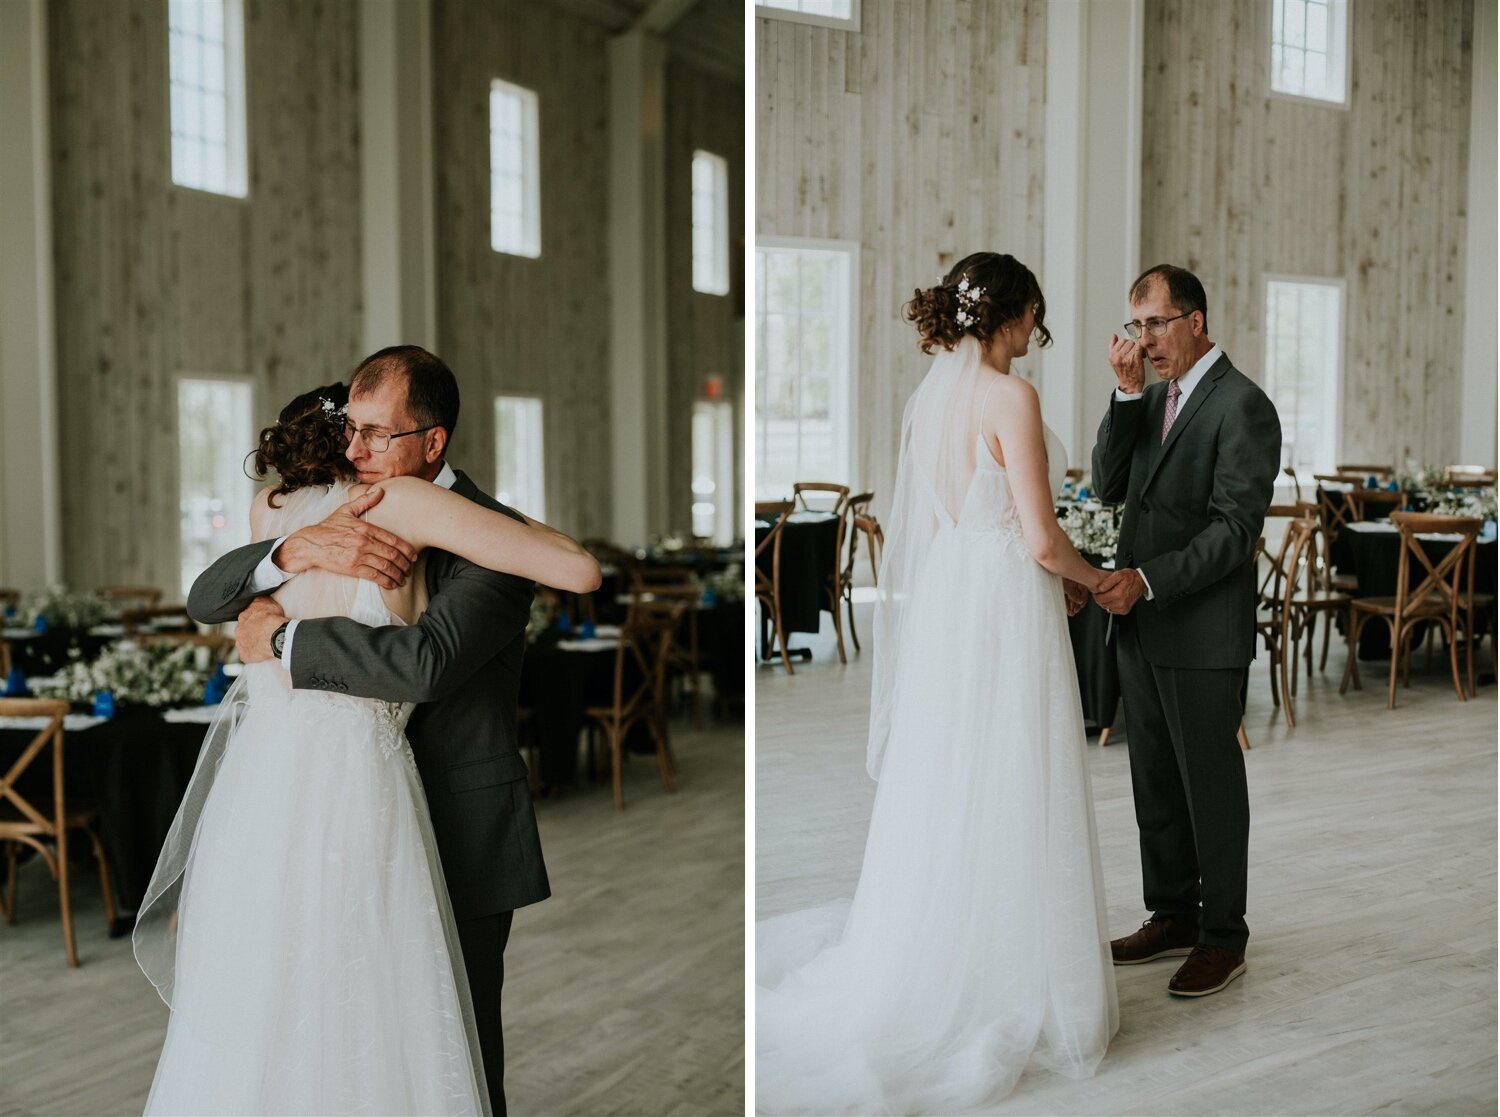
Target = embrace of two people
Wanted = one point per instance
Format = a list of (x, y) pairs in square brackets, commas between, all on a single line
[(329, 914), (975, 944)]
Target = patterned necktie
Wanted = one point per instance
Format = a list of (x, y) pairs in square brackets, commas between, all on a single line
[(1174, 393)]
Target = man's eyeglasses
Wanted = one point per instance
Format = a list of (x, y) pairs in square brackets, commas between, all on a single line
[(378, 441), (1156, 327)]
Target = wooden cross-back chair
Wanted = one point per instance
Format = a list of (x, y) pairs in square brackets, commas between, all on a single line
[(1356, 469), (860, 523), (644, 643), (1469, 476), (23, 822), (126, 598), (1445, 588), (768, 585), (840, 494), (1372, 504), (678, 584), (175, 616)]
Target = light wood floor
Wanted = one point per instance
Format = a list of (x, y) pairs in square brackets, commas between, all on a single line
[(624, 992), (1371, 985)]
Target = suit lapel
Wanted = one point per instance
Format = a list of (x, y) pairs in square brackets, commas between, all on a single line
[(1195, 402)]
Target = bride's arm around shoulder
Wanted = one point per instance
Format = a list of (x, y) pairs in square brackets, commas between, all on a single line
[(1014, 413), (428, 515)]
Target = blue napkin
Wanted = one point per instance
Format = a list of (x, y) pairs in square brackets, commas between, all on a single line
[(564, 623), (586, 630), (41, 623), (15, 684), (104, 704)]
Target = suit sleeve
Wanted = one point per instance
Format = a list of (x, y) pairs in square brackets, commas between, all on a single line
[(1249, 455), (1115, 446), (473, 615), (222, 591)]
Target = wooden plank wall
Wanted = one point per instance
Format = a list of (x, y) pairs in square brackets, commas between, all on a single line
[(509, 324), (1237, 184), (920, 138), (704, 332), (153, 281)]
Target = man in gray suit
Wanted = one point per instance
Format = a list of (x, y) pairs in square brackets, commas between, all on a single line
[(1194, 458), (461, 662)]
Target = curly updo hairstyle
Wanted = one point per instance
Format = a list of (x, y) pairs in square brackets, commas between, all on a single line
[(1008, 286), (306, 445)]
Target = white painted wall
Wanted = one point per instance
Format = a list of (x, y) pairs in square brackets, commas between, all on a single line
[(1481, 368), (30, 497)]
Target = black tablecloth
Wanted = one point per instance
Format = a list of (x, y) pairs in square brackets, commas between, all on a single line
[(1375, 557), (1098, 673), (134, 769), (809, 558), (47, 653)]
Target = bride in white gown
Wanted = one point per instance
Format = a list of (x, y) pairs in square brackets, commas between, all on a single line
[(298, 924), (975, 943)]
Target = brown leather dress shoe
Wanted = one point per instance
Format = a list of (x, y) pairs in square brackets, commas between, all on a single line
[(1157, 938), (1207, 970)]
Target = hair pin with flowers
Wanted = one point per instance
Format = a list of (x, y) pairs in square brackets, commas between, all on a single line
[(332, 411), (968, 301)]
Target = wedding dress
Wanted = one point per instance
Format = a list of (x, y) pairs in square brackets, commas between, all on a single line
[(298, 924), (975, 944)]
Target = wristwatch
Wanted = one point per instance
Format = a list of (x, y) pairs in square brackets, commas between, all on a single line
[(278, 640)]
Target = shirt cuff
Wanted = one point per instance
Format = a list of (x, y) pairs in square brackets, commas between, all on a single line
[(1125, 397), (268, 575), (1149, 597), (286, 644)]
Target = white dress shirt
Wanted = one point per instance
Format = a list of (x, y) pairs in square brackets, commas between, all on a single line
[(1185, 387), (268, 575)]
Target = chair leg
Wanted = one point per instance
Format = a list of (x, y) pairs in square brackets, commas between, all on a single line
[(1351, 665), (109, 899), (780, 632), (1295, 627), (1275, 672), (1397, 643), (854, 632), (64, 902), (1243, 739), (1458, 682), (664, 762), (1327, 630), (616, 741), (1104, 736), (838, 625), (1287, 690), (12, 849)]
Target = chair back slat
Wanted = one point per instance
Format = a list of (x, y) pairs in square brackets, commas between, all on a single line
[(50, 734), (840, 493), (1442, 580)]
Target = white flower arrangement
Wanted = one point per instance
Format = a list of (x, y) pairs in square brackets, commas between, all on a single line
[(727, 585), (1479, 503), (1093, 531), (155, 675), (66, 610)]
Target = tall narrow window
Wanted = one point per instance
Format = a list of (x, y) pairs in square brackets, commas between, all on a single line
[(1310, 49), (804, 326), (214, 433), (843, 14), (515, 175), (1304, 332), (710, 224), (206, 48), (713, 471), (520, 467)]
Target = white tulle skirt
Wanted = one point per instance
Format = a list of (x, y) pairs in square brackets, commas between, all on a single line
[(975, 945), (312, 965)]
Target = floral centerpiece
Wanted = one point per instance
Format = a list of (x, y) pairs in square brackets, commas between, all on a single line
[(727, 585), (1414, 478), (1092, 528), (155, 675), (1464, 502), (65, 610)]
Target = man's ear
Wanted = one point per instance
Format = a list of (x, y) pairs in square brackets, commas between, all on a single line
[(437, 444)]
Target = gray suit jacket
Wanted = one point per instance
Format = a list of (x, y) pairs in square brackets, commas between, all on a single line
[(461, 663), (1194, 508)]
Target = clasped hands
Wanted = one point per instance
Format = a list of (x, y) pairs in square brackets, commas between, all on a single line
[(341, 544), (1117, 592)]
